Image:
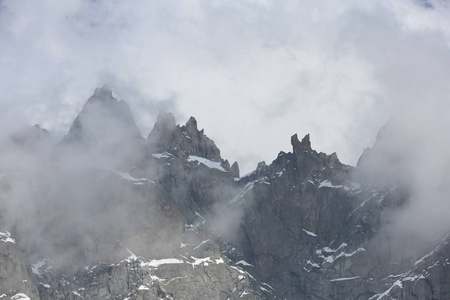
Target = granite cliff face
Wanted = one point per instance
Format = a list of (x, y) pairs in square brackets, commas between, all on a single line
[(107, 214)]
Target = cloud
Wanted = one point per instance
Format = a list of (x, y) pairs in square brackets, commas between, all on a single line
[(415, 148), (251, 72), (77, 201)]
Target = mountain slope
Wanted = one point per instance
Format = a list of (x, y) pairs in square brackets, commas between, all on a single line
[(107, 214)]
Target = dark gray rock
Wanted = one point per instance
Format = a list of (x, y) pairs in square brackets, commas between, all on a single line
[(181, 141), (169, 218)]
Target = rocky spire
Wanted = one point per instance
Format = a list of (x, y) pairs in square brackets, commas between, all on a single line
[(307, 159), (103, 117), (199, 144), (103, 92), (164, 131), (181, 141), (191, 128), (305, 144), (235, 169)]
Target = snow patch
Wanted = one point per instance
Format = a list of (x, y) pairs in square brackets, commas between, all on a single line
[(329, 250), (38, 267), (136, 181), (245, 190), (162, 155), (310, 233), (427, 255), (165, 261), (398, 283), (333, 257), (237, 269), (76, 294), (247, 175), (6, 237), (20, 296), (313, 264), (200, 216), (345, 278), (205, 261), (209, 163), (265, 290), (132, 256), (263, 283), (201, 244), (244, 263), (156, 278), (327, 183), (413, 278), (243, 294)]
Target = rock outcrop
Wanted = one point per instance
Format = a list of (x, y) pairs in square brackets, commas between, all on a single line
[(16, 278), (114, 216), (181, 140)]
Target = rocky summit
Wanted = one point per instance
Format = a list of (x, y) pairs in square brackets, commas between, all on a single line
[(108, 214)]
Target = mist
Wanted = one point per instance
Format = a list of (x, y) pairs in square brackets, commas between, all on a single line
[(75, 201), (411, 157), (253, 72)]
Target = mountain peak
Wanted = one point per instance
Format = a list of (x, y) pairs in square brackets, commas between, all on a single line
[(305, 144), (105, 90), (103, 95), (30, 136), (162, 134), (187, 139), (103, 117), (191, 128), (165, 120), (192, 122)]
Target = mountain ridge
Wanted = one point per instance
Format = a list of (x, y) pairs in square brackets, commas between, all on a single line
[(168, 218)]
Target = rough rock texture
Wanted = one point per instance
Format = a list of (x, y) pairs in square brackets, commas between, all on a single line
[(316, 233), (16, 278), (181, 141), (114, 216), (136, 278)]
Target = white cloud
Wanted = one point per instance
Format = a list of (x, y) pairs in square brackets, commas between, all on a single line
[(252, 72)]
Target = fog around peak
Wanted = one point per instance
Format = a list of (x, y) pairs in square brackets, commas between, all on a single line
[(254, 72)]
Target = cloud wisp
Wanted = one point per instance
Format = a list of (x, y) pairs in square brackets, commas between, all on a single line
[(253, 72)]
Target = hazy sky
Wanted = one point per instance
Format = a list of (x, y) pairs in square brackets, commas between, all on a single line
[(252, 72)]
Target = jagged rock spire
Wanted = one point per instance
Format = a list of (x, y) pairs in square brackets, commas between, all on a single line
[(104, 92), (184, 140), (305, 144), (163, 133), (191, 128), (105, 131), (309, 160), (103, 117), (235, 169)]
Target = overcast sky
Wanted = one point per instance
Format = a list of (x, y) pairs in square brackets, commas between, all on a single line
[(252, 72)]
